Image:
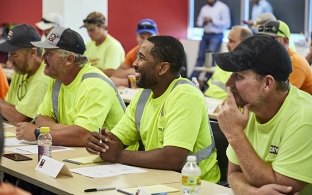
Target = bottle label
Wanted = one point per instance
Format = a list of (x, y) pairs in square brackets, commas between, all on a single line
[(43, 150), (191, 180)]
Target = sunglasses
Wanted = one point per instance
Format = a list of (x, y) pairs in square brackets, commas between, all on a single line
[(270, 29), (146, 26), (22, 88)]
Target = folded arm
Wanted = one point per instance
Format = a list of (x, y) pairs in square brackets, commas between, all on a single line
[(9, 112)]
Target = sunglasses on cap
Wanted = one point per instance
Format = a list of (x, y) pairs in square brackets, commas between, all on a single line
[(270, 29), (146, 26), (94, 21)]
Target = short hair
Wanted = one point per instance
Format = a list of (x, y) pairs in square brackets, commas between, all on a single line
[(168, 49), (79, 58), (280, 85)]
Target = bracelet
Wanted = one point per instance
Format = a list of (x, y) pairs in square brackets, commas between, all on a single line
[(37, 132)]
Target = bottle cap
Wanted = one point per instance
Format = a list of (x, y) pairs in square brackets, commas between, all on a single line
[(44, 129), (191, 158)]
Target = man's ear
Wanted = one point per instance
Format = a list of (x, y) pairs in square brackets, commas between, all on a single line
[(269, 80), (164, 68), (33, 52), (71, 58)]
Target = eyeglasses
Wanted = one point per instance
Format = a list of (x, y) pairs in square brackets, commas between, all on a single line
[(270, 29), (146, 26), (22, 88)]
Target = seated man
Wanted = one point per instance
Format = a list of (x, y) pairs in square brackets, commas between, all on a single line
[(80, 100), (216, 84), (28, 83), (301, 75), (104, 51), (266, 120), (145, 29), (169, 118)]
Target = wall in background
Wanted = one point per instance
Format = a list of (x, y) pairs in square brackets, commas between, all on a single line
[(123, 15), (20, 11)]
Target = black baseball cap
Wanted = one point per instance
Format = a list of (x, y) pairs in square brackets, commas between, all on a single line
[(63, 38), (260, 53), (20, 37)]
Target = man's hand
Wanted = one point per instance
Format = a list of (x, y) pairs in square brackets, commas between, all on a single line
[(232, 121), (25, 131), (106, 144), (274, 189), (207, 20)]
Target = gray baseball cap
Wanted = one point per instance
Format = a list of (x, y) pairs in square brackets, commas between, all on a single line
[(63, 38)]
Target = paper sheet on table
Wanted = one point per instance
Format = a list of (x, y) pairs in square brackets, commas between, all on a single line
[(84, 160), (107, 170), (33, 149), (153, 189), (9, 134), (12, 141)]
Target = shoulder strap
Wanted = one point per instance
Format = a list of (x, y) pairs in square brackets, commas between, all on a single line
[(219, 84), (57, 86), (201, 155), (55, 94), (139, 112), (107, 80)]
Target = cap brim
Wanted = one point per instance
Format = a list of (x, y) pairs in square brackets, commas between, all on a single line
[(152, 32), (227, 62), (267, 33), (44, 26), (44, 44), (7, 47)]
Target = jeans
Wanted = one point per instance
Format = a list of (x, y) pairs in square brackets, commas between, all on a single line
[(211, 42)]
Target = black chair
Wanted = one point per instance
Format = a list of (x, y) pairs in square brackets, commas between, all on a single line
[(221, 145)]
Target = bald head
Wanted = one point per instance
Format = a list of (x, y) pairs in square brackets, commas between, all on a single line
[(236, 35)]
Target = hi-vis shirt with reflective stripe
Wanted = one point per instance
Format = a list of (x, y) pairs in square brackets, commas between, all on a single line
[(57, 86), (201, 155)]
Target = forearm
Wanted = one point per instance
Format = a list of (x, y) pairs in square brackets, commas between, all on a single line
[(64, 135), (256, 171), (45, 121), (70, 135), (9, 112), (167, 158), (239, 184)]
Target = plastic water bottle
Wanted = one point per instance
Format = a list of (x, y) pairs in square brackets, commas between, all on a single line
[(44, 143), (195, 82), (191, 177)]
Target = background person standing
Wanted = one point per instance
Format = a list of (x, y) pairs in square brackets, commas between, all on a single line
[(215, 18)]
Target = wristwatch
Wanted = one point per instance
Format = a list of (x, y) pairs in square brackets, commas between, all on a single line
[(37, 132)]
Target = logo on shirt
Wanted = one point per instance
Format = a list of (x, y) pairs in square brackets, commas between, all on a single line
[(273, 149)]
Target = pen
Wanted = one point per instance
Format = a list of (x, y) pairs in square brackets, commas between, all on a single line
[(124, 192), (71, 161), (99, 189), (100, 133)]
